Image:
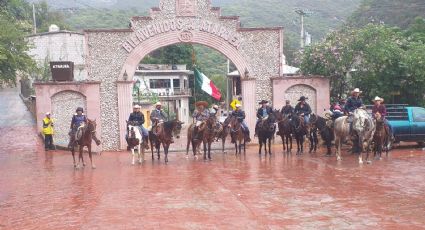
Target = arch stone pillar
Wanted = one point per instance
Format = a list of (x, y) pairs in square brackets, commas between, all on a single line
[(125, 103), (249, 102)]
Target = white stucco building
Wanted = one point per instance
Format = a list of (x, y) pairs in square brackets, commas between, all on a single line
[(170, 83), (60, 45)]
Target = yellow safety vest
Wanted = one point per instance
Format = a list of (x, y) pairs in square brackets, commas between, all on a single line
[(47, 129), (234, 103)]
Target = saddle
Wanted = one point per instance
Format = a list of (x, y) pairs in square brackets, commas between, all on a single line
[(157, 127)]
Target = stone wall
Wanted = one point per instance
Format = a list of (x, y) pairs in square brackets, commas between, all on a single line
[(64, 104)]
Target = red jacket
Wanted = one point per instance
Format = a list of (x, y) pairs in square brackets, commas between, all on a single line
[(379, 109)]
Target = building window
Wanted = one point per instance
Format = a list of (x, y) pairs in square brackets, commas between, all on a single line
[(176, 83), (159, 83)]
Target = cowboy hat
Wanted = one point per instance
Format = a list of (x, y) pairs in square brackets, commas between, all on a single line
[(263, 102), (158, 104), (238, 105), (48, 113), (203, 103), (79, 109), (357, 90), (136, 107), (303, 98), (378, 99)]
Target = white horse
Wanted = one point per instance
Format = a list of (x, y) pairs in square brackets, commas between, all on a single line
[(135, 141), (363, 127)]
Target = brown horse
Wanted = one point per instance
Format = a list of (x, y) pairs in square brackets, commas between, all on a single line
[(86, 134), (210, 132), (224, 132), (164, 136), (324, 127), (300, 130), (237, 134), (285, 131), (191, 139), (266, 130), (381, 137)]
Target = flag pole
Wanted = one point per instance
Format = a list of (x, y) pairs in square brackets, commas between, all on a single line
[(193, 67)]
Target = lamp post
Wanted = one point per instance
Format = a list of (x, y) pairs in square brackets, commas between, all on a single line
[(167, 90), (137, 85)]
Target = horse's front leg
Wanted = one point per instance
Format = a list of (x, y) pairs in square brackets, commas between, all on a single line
[(310, 137), (244, 145), (81, 155), (132, 155), (270, 146), (73, 156), (158, 148), (141, 153), (223, 143), (260, 146), (205, 150), (91, 157), (166, 147), (209, 150)]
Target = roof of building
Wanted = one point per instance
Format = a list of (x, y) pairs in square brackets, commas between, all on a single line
[(55, 32)]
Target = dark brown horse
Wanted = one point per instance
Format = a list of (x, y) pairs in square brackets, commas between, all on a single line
[(266, 129), (224, 132), (285, 130), (85, 135), (164, 136), (300, 130), (237, 134), (193, 139), (325, 129)]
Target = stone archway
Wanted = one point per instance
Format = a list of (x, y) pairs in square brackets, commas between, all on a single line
[(256, 52)]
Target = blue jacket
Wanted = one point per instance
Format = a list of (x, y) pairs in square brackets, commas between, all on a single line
[(353, 103), (77, 120), (240, 115)]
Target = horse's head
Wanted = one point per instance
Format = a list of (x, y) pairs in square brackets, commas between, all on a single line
[(177, 127), (91, 125), (131, 129), (270, 122), (313, 120), (360, 119), (278, 115)]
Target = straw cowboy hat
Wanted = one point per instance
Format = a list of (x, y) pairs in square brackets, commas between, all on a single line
[(263, 102), (158, 104), (203, 103), (136, 107), (357, 90), (378, 99), (238, 105)]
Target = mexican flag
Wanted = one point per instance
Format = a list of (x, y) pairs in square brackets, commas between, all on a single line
[(207, 85)]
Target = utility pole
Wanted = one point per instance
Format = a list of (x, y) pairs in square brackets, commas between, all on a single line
[(302, 13), (33, 19)]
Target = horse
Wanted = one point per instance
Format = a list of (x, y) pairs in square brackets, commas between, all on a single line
[(341, 133), (381, 137), (237, 134), (266, 130), (83, 138), (165, 135), (300, 130), (285, 131), (135, 141), (364, 128), (196, 142), (210, 132), (224, 132), (318, 123)]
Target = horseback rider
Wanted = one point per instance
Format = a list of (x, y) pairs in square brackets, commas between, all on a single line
[(78, 120), (379, 108), (336, 111), (262, 113), (157, 117), (303, 109), (354, 101), (138, 119), (287, 109), (240, 115), (201, 114)]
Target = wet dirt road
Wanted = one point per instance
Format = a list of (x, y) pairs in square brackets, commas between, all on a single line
[(41, 190)]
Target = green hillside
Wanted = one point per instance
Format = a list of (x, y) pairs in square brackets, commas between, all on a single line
[(389, 12)]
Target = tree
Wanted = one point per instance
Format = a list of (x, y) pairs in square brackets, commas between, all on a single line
[(379, 59), (13, 47)]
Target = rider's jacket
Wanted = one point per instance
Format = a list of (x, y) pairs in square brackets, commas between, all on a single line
[(260, 113), (306, 109), (201, 116), (239, 114), (157, 115), (287, 109), (353, 103), (77, 120), (379, 109), (137, 117)]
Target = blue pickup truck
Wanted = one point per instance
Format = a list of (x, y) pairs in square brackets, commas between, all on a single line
[(407, 122)]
